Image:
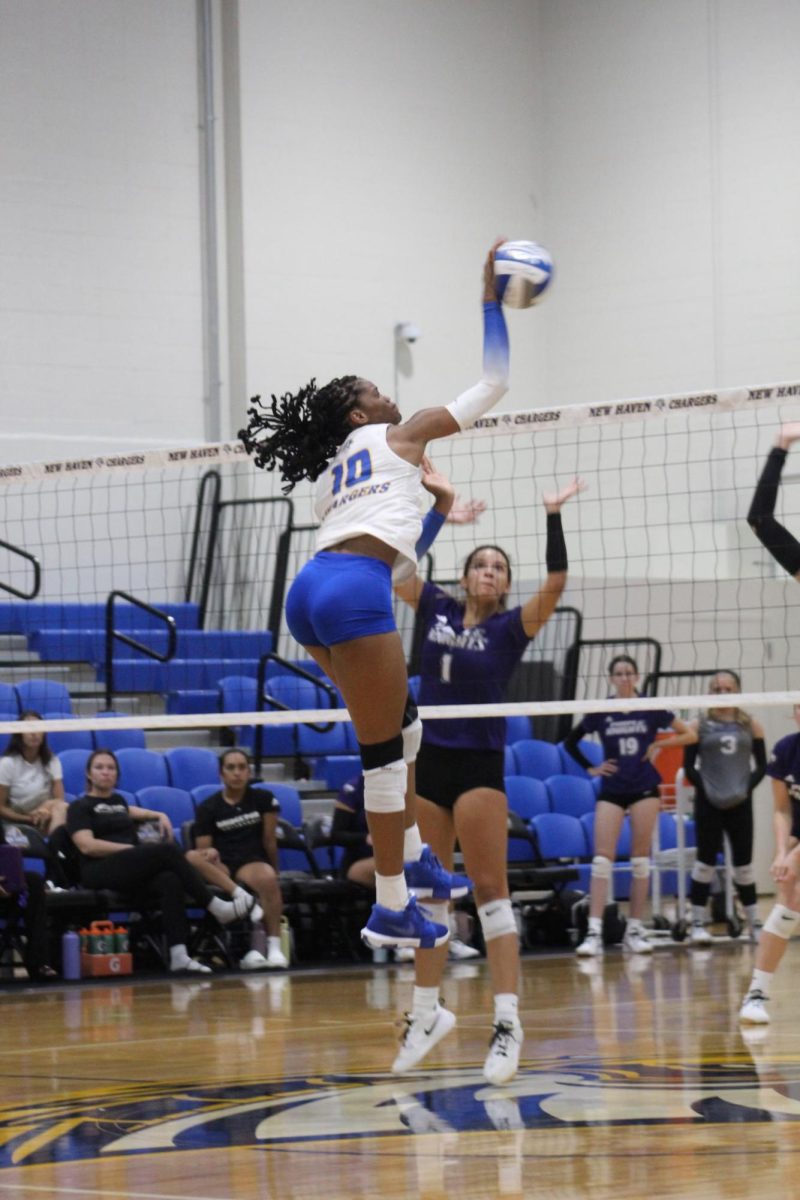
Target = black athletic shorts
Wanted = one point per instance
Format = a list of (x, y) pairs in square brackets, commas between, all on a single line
[(628, 801), (444, 774)]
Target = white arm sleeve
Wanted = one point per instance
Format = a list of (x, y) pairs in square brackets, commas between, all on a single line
[(477, 401)]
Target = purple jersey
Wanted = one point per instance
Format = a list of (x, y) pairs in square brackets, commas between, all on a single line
[(466, 666), (784, 764), (625, 737)]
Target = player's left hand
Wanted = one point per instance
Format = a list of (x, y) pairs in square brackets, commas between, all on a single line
[(554, 501)]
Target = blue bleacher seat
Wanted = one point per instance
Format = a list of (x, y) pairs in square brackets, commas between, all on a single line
[(571, 794), (73, 739), (118, 739), (9, 702), (518, 729), (413, 687), (176, 803), (179, 674), (536, 758), (193, 700), (73, 763), (44, 695), (288, 798), (315, 742), (239, 694), (189, 766), (26, 617), (509, 762), (528, 797), (558, 837), (142, 768), (588, 748), (204, 790), (337, 769)]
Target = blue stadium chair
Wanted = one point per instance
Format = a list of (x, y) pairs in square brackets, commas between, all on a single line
[(288, 798), (509, 762), (560, 837), (189, 766), (527, 797), (570, 794), (518, 729), (204, 790), (73, 739), (315, 742), (351, 741), (9, 702), (239, 694), (589, 749), (118, 739), (174, 802), (413, 687), (73, 763), (142, 768), (193, 700), (536, 758), (43, 695), (336, 769)]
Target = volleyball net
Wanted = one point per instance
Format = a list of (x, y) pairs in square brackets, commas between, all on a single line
[(663, 565)]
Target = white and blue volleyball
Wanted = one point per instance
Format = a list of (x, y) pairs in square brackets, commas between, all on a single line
[(523, 271)]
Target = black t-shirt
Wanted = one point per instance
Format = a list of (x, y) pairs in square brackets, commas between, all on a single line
[(236, 830), (108, 818)]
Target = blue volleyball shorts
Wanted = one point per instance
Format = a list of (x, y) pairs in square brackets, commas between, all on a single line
[(339, 598)]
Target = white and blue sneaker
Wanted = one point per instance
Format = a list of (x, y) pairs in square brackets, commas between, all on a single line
[(408, 927), (428, 879)]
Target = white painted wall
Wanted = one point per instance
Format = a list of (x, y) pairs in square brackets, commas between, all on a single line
[(100, 284)]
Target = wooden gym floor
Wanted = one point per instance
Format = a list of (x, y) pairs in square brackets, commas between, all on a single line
[(637, 1081)]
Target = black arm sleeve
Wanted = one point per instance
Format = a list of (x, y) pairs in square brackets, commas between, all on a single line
[(573, 749), (784, 548), (690, 765), (760, 768), (555, 551)]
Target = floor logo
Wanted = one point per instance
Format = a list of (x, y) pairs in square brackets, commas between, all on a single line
[(555, 1094)]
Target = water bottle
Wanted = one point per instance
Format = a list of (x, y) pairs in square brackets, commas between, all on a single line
[(71, 955)]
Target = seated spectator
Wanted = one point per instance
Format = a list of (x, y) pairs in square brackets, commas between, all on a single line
[(30, 905), (103, 828), (235, 840), (349, 829), (31, 781)]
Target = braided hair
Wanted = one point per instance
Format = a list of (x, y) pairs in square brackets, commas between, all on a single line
[(300, 432)]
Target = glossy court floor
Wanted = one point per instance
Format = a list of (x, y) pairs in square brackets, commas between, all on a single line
[(637, 1081)]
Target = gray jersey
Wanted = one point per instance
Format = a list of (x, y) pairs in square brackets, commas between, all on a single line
[(724, 753)]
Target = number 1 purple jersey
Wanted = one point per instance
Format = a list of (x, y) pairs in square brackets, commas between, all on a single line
[(466, 666), (625, 737)]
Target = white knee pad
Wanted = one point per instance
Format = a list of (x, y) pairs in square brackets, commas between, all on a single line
[(385, 788), (640, 868), (412, 740), (744, 876), (781, 921), (497, 919), (601, 867), (702, 873)]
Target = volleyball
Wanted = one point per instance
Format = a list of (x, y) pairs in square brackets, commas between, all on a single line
[(523, 271)]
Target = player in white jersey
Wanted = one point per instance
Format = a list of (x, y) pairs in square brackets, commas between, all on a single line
[(352, 439)]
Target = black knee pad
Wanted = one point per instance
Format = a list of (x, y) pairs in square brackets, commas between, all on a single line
[(379, 754)]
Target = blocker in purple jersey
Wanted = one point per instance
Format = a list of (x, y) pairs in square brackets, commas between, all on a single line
[(784, 764), (469, 665)]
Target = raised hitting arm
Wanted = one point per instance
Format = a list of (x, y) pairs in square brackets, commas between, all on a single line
[(783, 547)]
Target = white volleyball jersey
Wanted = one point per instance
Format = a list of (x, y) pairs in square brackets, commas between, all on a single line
[(367, 488)]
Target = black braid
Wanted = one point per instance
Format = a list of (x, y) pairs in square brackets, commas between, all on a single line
[(303, 429)]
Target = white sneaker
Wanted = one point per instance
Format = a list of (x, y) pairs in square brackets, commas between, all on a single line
[(254, 960), (699, 935), (635, 941), (502, 1060), (591, 946), (417, 1039), (276, 958), (404, 953), (191, 967), (458, 949), (754, 1008)]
